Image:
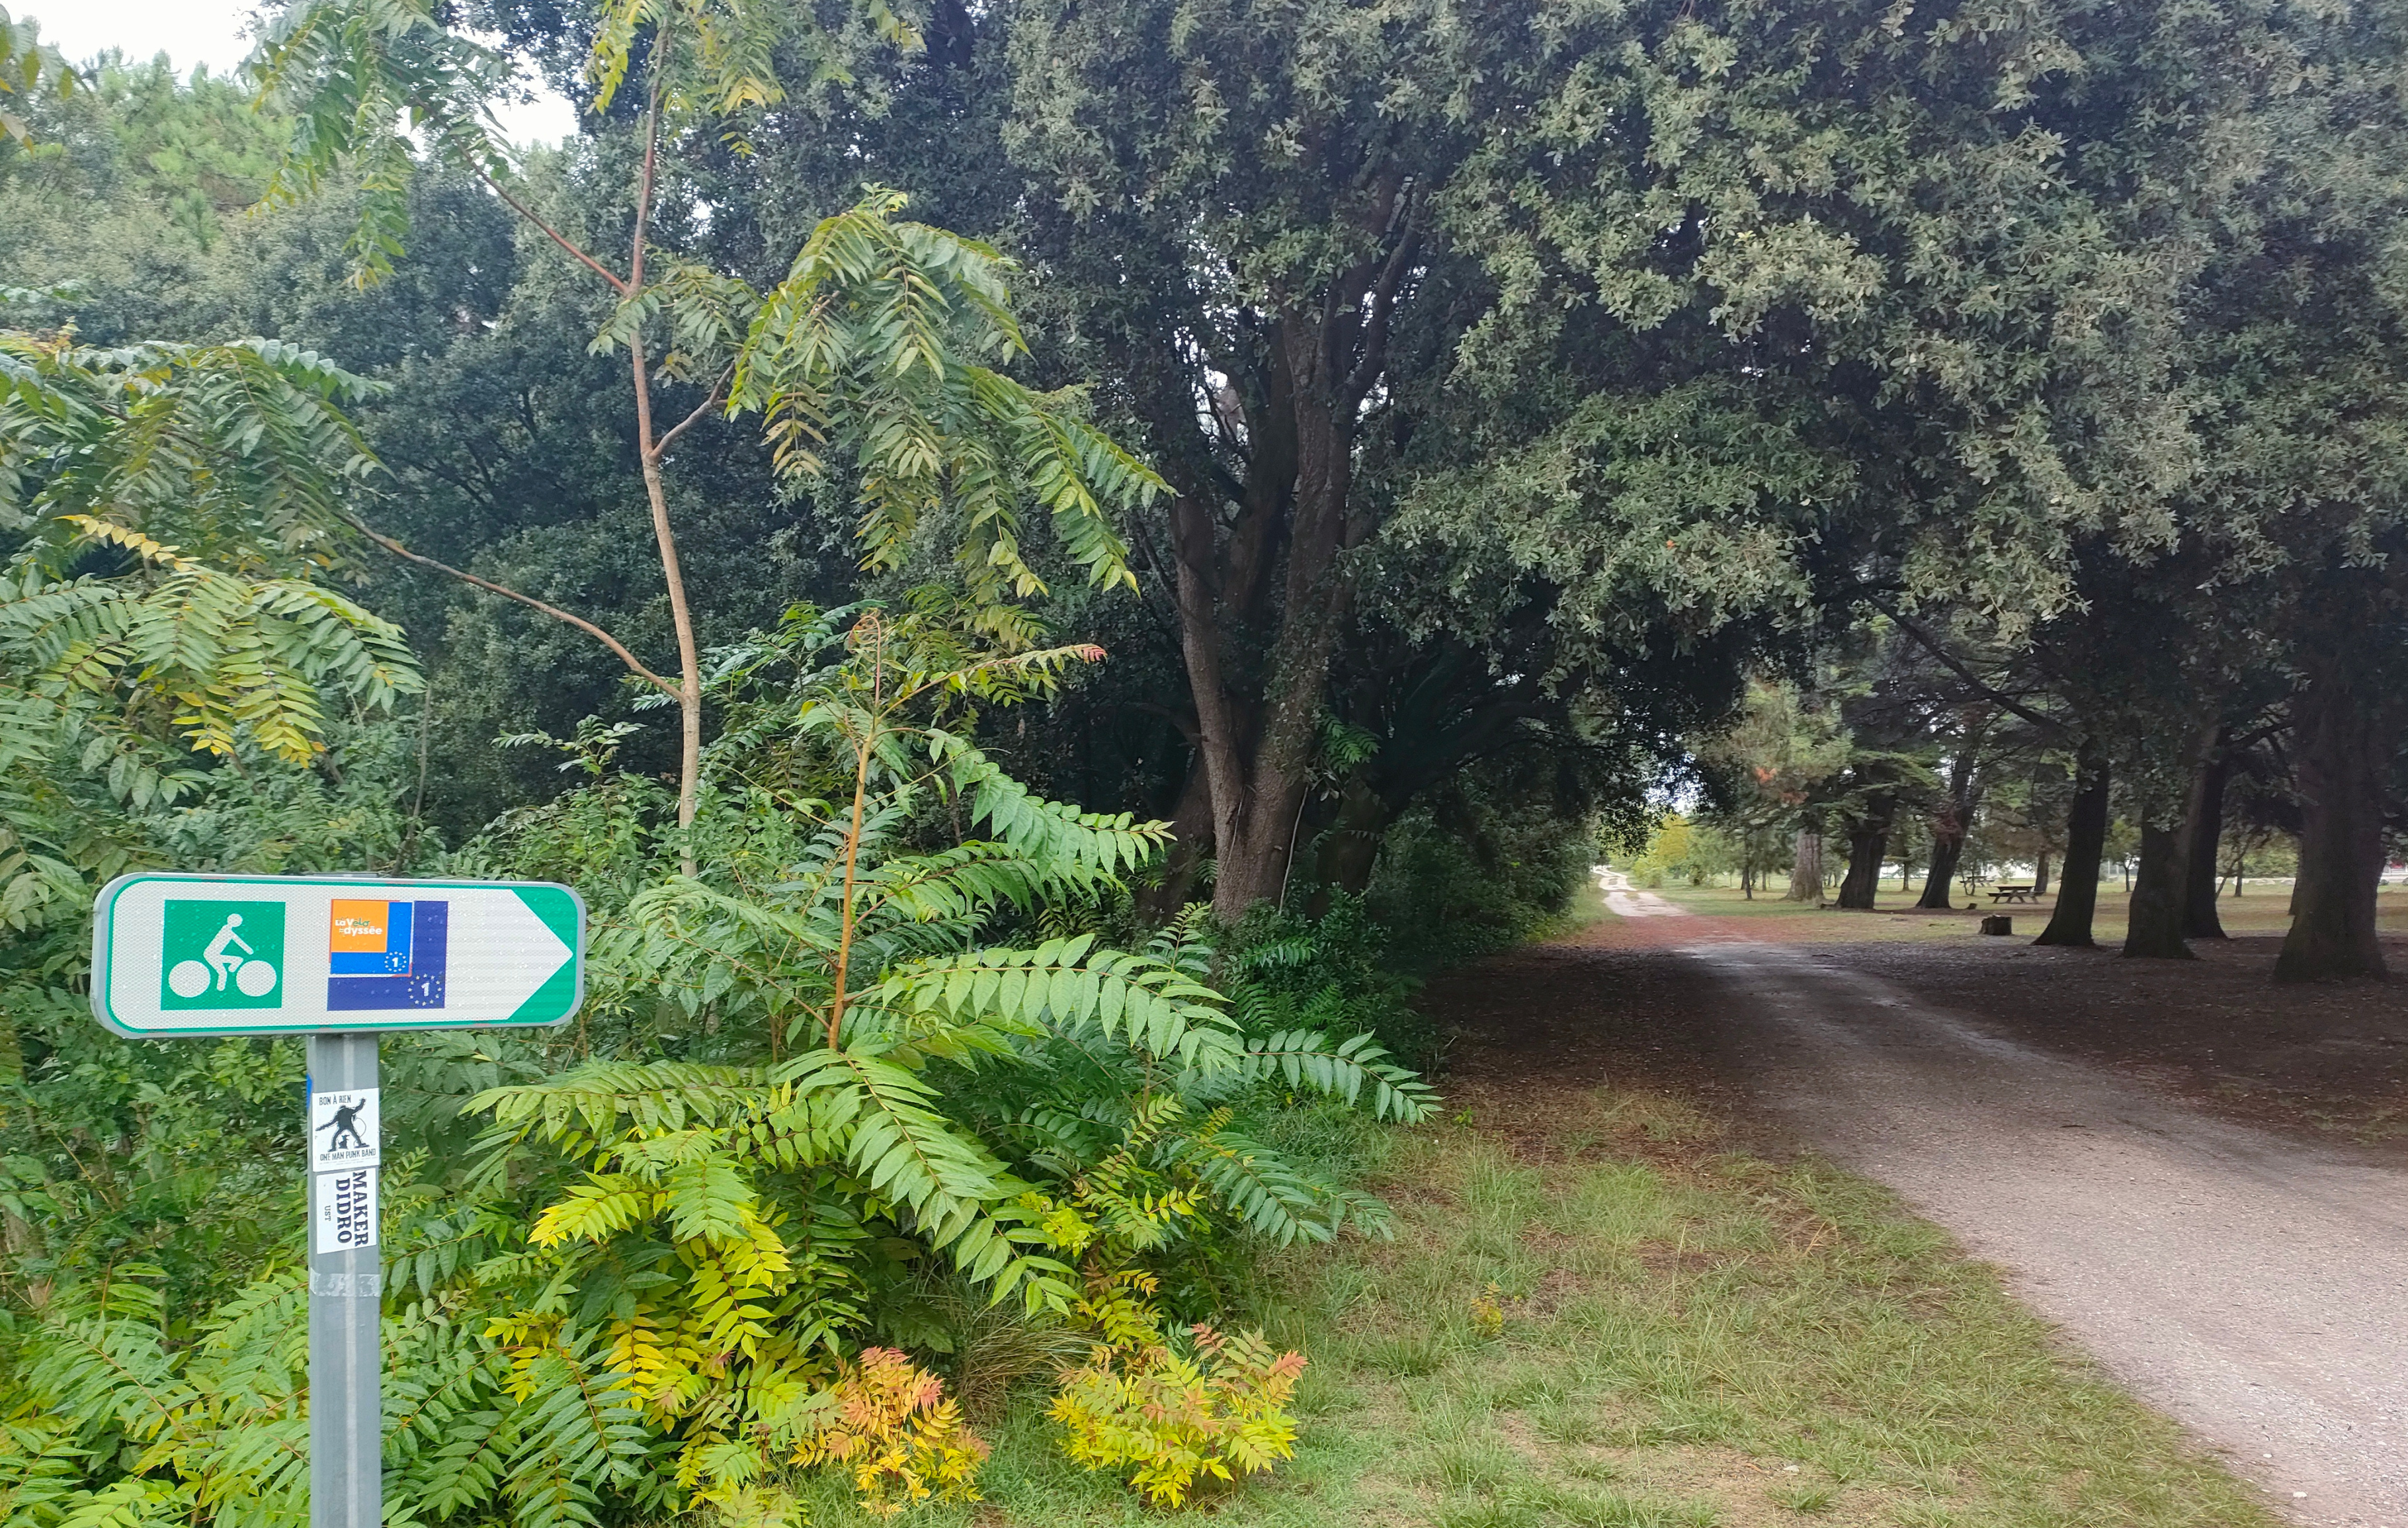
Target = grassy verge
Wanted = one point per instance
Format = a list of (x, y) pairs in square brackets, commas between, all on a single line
[(1594, 1316), (2263, 909)]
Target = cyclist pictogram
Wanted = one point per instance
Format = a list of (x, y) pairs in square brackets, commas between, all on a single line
[(223, 954)]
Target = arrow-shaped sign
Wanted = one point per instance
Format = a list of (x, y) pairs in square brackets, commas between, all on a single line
[(187, 955)]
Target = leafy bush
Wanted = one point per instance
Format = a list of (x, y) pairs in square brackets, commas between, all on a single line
[(1465, 876), (1691, 852), (213, 476), (804, 1086), (891, 1426), (1165, 1416), (181, 684), (1335, 972), (1488, 1311)]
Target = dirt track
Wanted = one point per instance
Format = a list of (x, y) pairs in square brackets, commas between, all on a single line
[(2254, 1286)]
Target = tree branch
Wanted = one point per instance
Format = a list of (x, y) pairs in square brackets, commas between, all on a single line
[(2257, 735), (488, 585), (1152, 590), (1369, 364), (554, 234), (1957, 665), (660, 447), (1199, 641), (644, 188), (1185, 721)]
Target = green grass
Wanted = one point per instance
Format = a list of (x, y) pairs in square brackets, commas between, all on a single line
[(1692, 1338), (2264, 908)]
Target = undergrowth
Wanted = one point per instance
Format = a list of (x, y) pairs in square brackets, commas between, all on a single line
[(1594, 1316)]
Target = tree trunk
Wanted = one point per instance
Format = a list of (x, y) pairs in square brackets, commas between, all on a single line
[(1255, 851), (2085, 845), (2346, 737), (2206, 835), (1218, 589), (2039, 875), (1350, 848), (680, 615), (1806, 869), (1868, 838), (650, 444), (648, 448), (1258, 728), (1947, 846), (1191, 840), (1948, 828), (2159, 897)]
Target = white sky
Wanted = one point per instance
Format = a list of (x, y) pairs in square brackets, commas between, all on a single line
[(217, 33)]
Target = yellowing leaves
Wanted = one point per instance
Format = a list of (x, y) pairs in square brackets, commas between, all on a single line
[(1163, 1418), (894, 1429)]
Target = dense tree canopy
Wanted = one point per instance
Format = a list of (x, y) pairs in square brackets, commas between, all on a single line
[(1029, 558)]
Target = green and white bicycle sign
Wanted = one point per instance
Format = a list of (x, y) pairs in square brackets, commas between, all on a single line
[(196, 955), (223, 954)]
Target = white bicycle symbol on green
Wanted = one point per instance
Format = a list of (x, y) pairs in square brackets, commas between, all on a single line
[(252, 979)]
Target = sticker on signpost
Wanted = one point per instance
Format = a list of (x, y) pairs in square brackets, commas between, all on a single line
[(347, 1210), (343, 1130)]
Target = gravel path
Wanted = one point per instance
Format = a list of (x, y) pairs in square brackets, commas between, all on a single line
[(2254, 1287)]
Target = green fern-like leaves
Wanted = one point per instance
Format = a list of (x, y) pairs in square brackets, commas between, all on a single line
[(1348, 1069), (892, 324), (354, 76), (577, 1431), (1065, 984), (216, 476)]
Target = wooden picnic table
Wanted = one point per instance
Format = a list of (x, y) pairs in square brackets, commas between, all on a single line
[(2012, 894)]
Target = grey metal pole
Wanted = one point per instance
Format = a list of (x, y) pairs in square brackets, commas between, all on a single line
[(346, 1310)]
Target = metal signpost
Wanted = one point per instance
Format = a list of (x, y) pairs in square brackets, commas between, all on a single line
[(339, 960)]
